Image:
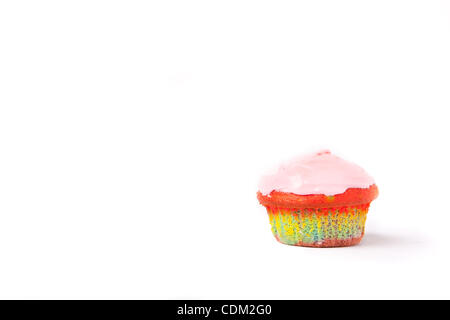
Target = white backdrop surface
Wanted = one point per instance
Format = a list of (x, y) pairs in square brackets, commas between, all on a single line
[(133, 135)]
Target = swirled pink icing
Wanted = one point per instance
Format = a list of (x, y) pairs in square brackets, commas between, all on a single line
[(317, 173)]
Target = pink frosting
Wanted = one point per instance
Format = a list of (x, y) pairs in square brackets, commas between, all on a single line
[(317, 173)]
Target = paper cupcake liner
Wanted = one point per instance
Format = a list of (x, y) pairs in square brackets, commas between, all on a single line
[(320, 227)]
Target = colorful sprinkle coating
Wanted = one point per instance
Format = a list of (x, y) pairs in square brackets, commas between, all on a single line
[(319, 227)]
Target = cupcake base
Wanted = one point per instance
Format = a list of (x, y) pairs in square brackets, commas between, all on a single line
[(327, 243), (319, 227)]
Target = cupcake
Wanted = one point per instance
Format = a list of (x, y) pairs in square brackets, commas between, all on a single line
[(318, 200)]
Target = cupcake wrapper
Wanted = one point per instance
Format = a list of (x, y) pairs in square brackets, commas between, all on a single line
[(322, 227)]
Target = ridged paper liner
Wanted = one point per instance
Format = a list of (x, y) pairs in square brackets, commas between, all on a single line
[(322, 227)]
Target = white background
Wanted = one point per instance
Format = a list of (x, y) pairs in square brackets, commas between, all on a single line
[(133, 135)]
